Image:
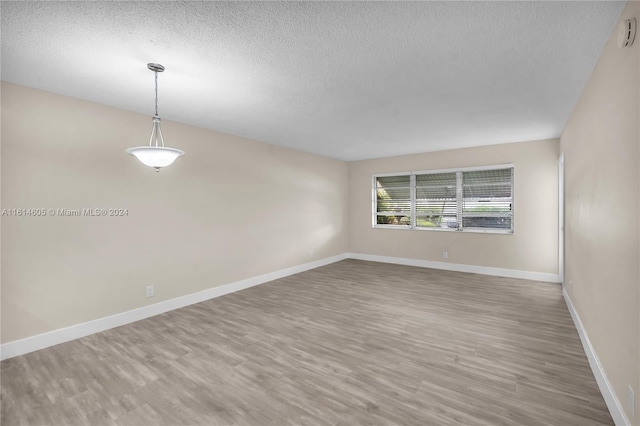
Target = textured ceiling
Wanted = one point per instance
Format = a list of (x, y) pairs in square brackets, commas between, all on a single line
[(348, 80)]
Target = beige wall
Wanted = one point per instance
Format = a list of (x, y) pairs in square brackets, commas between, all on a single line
[(532, 247), (230, 209), (600, 142)]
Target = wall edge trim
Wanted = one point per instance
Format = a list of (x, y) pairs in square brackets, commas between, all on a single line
[(460, 267), (610, 398), (77, 331)]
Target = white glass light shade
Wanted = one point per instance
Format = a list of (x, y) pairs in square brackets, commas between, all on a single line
[(155, 156)]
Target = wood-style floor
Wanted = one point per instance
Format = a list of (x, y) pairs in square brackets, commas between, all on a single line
[(352, 343)]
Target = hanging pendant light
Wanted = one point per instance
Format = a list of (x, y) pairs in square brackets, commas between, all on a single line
[(156, 155)]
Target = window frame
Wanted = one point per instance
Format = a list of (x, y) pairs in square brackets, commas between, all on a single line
[(459, 200)]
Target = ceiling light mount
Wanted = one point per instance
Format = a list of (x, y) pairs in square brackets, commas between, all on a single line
[(155, 155), (155, 67)]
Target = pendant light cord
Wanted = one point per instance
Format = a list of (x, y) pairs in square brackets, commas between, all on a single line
[(156, 73)]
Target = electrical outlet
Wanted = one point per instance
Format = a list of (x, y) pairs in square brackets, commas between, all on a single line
[(150, 291), (632, 401), (311, 254), (445, 254)]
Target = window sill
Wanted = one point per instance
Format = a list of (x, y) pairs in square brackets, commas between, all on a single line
[(466, 231)]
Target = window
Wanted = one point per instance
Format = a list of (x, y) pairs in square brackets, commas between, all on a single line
[(436, 200), (393, 205), (479, 199), (487, 199)]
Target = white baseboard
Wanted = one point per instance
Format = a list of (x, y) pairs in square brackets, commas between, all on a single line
[(615, 408), (458, 267), (52, 338)]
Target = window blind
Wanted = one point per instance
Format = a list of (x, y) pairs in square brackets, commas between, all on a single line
[(466, 199), (393, 196), (436, 202), (487, 199)]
